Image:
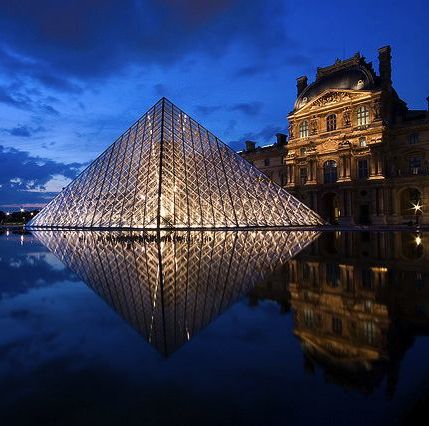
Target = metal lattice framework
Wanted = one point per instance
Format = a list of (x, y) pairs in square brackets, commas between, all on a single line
[(167, 171), (170, 285)]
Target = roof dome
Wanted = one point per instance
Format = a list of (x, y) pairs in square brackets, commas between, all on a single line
[(357, 77)]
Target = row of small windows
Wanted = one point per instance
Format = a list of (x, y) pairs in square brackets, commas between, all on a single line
[(331, 121), (368, 327), (330, 171)]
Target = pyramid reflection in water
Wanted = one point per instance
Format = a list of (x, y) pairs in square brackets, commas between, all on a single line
[(167, 171), (170, 285)]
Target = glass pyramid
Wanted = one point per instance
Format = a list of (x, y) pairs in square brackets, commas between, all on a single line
[(170, 284), (167, 171)]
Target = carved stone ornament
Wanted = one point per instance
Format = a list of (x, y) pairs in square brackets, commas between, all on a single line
[(329, 145), (347, 117), (314, 126), (376, 108), (331, 98), (291, 132)]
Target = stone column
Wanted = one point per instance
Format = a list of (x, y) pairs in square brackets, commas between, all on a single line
[(291, 174), (315, 170), (372, 166), (379, 166), (342, 173)]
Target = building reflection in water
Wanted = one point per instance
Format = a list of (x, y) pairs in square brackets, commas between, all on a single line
[(358, 301), (170, 285)]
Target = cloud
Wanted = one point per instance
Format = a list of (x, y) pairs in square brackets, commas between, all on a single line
[(250, 108), (8, 97), (23, 131), (160, 89), (55, 42), (13, 64), (14, 95), (251, 71), (28, 179), (207, 109)]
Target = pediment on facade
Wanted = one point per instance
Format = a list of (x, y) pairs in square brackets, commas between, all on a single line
[(331, 97)]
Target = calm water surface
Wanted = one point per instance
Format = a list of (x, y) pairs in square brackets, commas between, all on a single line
[(213, 328)]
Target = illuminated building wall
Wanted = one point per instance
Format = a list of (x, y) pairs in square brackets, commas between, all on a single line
[(355, 153)]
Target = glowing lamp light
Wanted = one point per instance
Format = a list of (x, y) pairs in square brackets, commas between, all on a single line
[(418, 240), (7, 213), (21, 210), (417, 207)]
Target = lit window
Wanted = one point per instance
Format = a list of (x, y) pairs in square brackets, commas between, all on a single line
[(303, 129), (331, 122), (414, 138), (330, 171), (362, 169), (363, 116), (362, 141)]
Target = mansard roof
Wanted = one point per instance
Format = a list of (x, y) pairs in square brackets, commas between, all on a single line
[(353, 73)]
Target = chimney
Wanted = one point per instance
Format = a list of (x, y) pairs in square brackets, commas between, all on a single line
[(250, 146), (281, 139), (385, 67), (301, 84)]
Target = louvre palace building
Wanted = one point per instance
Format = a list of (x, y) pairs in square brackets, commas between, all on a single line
[(355, 153)]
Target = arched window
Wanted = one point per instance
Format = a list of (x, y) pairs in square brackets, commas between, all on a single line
[(303, 129), (363, 115), (331, 122), (330, 171)]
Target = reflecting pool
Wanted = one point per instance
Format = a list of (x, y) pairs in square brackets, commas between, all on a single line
[(222, 328)]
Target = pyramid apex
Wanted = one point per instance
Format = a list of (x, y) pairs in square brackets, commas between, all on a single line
[(169, 171)]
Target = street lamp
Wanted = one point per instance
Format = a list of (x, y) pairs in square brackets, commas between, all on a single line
[(417, 210), (418, 240)]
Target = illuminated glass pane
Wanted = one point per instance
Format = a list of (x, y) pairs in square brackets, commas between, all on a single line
[(167, 171)]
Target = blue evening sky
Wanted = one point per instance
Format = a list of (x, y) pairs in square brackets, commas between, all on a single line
[(75, 74)]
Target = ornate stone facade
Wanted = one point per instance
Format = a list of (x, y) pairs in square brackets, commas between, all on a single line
[(355, 153)]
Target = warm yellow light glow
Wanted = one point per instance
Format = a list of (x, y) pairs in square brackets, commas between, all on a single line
[(379, 269), (417, 207), (418, 240)]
